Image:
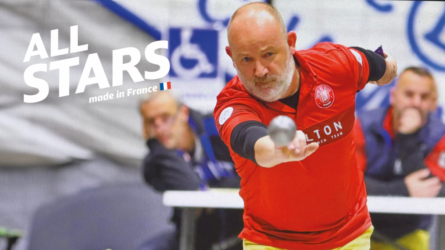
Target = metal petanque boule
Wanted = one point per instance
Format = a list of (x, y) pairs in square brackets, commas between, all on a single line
[(282, 130)]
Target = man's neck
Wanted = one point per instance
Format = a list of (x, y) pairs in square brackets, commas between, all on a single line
[(295, 84), (188, 141)]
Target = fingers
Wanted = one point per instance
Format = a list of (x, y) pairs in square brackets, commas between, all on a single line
[(301, 139), (410, 121), (294, 145), (436, 189), (433, 185), (298, 147), (311, 148), (298, 143), (431, 182), (420, 174)]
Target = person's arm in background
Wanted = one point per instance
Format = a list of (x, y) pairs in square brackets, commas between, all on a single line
[(164, 169), (419, 181)]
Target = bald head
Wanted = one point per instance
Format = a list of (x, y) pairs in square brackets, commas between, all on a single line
[(261, 52), (415, 89), (418, 72), (255, 14), (171, 96)]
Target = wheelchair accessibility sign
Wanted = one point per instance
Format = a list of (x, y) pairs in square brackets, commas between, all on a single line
[(427, 38), (193, 53)]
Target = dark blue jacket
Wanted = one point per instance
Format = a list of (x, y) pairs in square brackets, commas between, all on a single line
[(389, 160)]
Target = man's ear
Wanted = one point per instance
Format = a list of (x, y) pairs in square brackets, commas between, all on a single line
[(291, 40), (185, 113), (229, 52), (434, 106), (145, 132)]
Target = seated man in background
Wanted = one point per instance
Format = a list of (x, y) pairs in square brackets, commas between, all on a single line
[(401, 150), (186, 153)]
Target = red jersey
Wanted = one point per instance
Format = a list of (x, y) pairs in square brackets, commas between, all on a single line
[(320, 202)]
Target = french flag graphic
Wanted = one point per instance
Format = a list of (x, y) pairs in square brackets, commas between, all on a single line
[(165, 85)]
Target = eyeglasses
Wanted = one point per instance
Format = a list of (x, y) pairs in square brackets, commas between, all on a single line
[(165, 119)]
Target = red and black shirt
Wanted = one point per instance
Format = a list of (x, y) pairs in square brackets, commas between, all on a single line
[(320, 202)]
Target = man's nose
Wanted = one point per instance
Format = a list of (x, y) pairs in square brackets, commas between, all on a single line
[(260, 69), (416, 101), (158, 125)]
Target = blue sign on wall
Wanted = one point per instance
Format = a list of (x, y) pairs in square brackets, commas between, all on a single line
[(193, 53)]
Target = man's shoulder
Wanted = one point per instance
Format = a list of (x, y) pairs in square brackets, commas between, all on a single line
[(234, 94), (233, 88), (436, 125), (371, 118), (323, 49), (326, 56)]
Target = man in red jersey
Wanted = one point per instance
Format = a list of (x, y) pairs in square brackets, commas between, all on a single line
[(309, 194)]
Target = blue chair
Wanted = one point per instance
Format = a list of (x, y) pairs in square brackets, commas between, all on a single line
[(118, 217)]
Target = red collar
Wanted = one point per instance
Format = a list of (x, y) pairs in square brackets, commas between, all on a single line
[(387, 123)]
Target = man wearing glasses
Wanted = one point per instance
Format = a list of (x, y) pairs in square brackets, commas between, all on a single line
[(186, 153)]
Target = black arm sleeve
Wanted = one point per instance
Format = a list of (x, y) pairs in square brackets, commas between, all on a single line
[(166, 170), (244, 137), (377, 64), (378, 187)]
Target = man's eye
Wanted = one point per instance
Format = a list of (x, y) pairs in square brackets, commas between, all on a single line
[(269, 54), (150, 121), (246, 59)]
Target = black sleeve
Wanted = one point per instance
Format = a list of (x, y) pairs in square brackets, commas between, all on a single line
[(166, 170), (244, 137), (377, 64), (378, 187)]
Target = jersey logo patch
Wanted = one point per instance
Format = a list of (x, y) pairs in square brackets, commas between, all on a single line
[(357, 56), (324, 96), (225, 114)]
